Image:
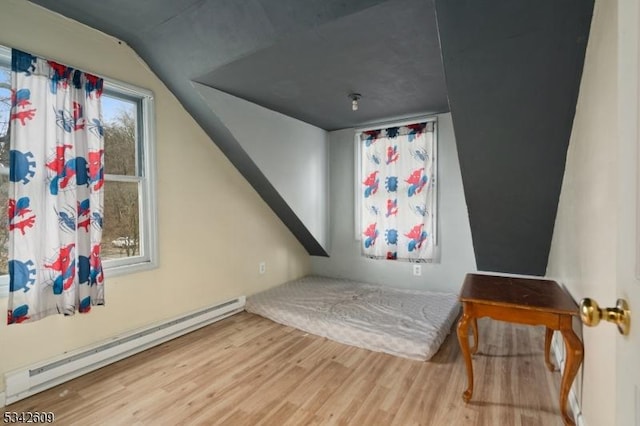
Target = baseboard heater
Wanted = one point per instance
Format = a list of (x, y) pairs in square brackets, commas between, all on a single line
[(20, 384)]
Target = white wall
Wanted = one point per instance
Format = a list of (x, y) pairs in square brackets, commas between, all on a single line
[(209, 250), (345, 261), (290, 153), (583, 249)]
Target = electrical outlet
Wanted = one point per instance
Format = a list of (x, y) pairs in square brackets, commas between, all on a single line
[(262, 267), (417, 270)]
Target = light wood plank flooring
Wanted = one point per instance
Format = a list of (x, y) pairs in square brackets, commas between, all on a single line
[(246, 370)]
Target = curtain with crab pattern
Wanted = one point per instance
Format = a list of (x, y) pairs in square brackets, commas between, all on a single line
[(398, 193), (55, 190)]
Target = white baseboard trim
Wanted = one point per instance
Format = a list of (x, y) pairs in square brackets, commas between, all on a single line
[(29, 380), (3, 399), (557, 349)]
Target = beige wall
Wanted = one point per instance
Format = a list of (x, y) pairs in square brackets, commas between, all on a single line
[(213, 227), (583, 250)]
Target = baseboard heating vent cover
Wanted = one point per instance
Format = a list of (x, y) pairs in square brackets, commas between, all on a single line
[(20, 384)]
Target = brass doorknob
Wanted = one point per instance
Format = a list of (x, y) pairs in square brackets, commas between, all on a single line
[(591, 314)]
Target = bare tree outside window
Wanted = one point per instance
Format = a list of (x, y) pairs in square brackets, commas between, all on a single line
[(128, 237), (121, 232)]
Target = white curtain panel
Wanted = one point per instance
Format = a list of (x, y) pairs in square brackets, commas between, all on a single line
[(55, 190), (398, 193)]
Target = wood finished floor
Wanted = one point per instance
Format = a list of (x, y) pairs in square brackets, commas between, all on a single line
[(246, 370)]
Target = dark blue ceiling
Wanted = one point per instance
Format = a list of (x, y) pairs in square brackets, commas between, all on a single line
[(509, 70), (513, 73)]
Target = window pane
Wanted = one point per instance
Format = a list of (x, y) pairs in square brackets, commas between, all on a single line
[(5, 107), (127, 163), (120, 118), (121, 233), (4, 223)]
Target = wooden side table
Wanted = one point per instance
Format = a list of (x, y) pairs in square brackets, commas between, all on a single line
[(522, 301)]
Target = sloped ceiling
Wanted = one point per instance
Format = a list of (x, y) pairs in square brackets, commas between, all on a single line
[(512, 74), (300, 58)]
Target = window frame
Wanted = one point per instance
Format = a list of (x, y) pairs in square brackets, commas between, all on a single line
[(357, 188), (145, 177)]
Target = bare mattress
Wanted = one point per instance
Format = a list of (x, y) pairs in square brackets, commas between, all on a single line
[(407, 323)]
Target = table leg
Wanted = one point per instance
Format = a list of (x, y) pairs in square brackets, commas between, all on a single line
[(474, 327), (463, 339), (548, 335), (574, 354)]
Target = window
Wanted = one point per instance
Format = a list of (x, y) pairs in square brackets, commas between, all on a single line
[(129, 232), (396, 191)]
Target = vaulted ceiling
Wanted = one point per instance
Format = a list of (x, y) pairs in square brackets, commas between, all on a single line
[(513, 73), (508, 70), (300, 58)]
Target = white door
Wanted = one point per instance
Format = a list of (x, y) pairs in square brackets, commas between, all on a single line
[(628, 248)]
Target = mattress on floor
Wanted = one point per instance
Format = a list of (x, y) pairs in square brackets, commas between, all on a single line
[(407, 323)]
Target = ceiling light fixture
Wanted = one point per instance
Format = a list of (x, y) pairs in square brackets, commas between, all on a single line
[(355, 97)]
